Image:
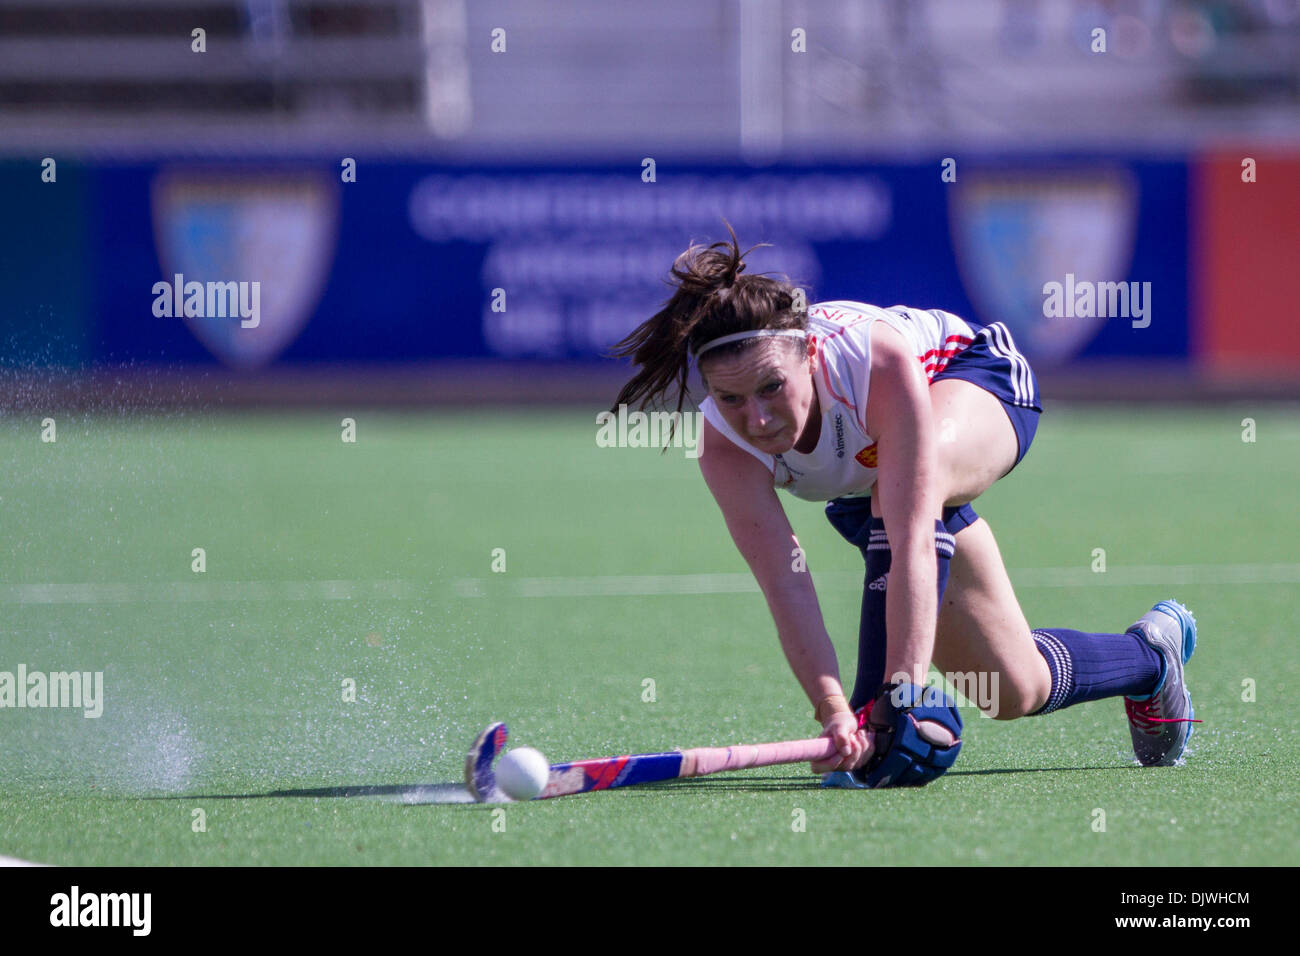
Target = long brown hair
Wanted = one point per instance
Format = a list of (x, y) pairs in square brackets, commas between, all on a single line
[(712, 299)]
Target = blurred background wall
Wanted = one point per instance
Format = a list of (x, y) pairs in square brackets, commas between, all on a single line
[(443, 200)]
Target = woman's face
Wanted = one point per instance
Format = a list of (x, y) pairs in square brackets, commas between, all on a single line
[(765, 393)]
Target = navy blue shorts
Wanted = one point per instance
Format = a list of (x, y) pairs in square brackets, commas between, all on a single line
[(993, 362)]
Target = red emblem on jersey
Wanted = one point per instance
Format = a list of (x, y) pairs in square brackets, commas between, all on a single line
[(867, 457)]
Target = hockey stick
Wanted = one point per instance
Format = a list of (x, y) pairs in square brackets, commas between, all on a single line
[(582, 776)]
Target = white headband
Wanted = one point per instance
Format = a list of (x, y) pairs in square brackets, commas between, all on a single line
[(753, 333)]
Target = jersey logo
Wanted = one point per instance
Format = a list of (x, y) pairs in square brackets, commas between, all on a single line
[(867, 457), (791, 474)]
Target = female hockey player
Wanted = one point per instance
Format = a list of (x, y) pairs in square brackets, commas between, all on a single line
[(899, 418)]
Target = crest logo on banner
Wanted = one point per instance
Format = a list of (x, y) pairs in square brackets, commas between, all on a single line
[(278, 229), (1013, 233)]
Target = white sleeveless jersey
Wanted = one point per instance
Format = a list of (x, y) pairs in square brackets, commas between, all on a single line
[(843, 465)]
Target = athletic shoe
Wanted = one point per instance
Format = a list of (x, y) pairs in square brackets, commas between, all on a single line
[(843, 780), (1161, 722)]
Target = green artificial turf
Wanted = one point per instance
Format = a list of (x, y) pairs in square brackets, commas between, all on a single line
[(373, 562)]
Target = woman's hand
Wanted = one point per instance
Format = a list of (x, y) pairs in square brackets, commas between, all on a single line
[(853, 744)]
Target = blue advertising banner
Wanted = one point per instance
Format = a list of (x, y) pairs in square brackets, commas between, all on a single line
[(253, 263), (44, 251)]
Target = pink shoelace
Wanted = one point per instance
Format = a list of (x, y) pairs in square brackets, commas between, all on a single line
[(1143, 713)]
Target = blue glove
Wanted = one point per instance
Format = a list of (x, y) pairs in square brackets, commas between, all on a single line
[(918, 736)]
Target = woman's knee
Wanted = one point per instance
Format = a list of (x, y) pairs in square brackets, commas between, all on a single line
[(1019, 703), (1001, 692), (996, 696), (1019, 696)]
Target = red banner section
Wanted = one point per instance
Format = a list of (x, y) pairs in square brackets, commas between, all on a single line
[(1246, 260)]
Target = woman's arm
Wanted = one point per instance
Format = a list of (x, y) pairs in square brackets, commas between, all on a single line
[(758, 524), (907, 487)]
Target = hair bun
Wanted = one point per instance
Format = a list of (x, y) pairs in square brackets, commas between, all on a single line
[(707, 303), (736, 267)]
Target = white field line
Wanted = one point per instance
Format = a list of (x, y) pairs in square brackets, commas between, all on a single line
[(14, 861), (217, 591), (1157, 575), (635, 584), (1154, 575), (606, 585), (1138, 575)]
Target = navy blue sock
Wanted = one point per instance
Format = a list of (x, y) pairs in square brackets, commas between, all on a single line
[(871, 627), (1094, 666), (852, 518)]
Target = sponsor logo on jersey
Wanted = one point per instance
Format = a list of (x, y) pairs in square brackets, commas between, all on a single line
[(867, 457), (792, 474), (839, 435)]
